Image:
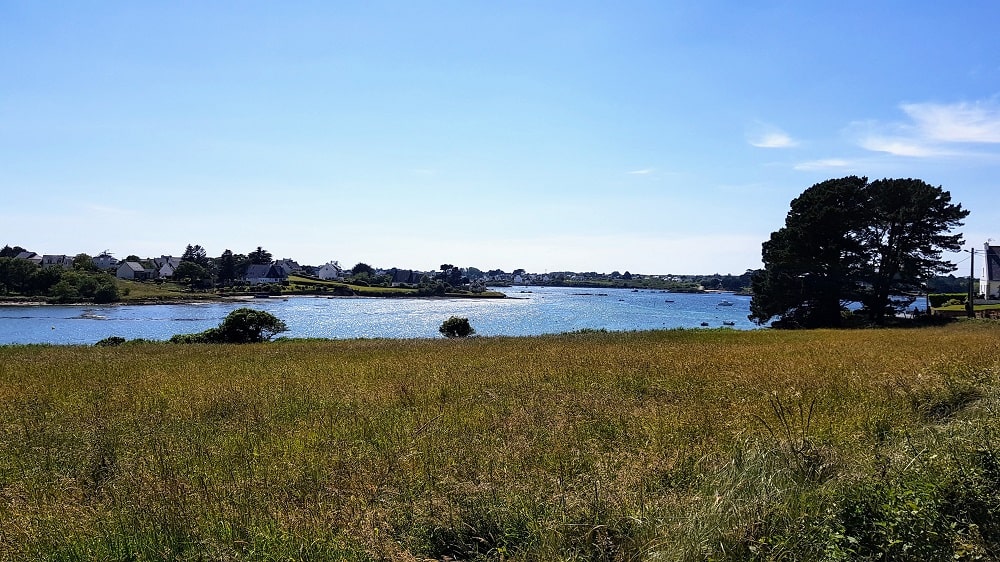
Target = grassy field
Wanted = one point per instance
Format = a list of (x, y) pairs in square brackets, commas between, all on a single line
[(977, 308), (132, 291), (675, 445)]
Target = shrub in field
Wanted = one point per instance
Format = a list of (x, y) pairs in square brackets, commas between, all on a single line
[(112, 341), (456, 327), (243, 325)]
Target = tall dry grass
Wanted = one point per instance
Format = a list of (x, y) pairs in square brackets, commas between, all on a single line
[(600, 446)]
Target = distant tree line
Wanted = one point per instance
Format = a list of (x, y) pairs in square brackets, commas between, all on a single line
[(82, 283)]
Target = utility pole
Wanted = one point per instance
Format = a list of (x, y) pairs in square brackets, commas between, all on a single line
[(970, 303)]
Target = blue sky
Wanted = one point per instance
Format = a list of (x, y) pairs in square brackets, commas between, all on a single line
[(655, 137)]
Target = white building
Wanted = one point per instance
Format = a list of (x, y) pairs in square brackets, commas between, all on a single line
[(989, 283), (331, 270)]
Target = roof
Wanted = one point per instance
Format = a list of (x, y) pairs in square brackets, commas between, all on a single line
[(134, 266), (263, 271)]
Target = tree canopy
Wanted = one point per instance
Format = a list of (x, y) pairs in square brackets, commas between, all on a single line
[(226, 265), (8, 252), (191, 273), (260, 256), (362, 267), (196, 254), (851, 240)]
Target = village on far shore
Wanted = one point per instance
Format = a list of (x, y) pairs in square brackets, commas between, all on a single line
[(246, 272), (258, 269)]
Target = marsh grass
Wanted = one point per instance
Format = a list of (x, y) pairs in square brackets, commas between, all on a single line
[(675, 445)]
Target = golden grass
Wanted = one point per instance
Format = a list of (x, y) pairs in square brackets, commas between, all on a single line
[(612, 446)]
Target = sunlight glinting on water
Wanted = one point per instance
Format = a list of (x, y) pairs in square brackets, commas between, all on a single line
[(528, 311)]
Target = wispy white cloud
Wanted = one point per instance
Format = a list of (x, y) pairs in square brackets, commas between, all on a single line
[(764, 135), (774, 140), (642, 172), (824, 164), (934, 130), (977, 122), (901, 146)]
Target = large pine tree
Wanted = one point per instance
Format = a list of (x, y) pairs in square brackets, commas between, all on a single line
[(850, 240)]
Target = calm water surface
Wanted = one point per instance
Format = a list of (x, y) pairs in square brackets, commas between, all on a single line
[(529, 311)]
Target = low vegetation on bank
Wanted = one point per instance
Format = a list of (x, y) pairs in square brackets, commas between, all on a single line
[(301, 284), (673, 445)]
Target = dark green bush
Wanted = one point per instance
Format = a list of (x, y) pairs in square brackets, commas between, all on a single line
[(456, 327), (106, 293), (243, 325), (112, 341)]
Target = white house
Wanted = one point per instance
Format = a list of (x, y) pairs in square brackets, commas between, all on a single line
[(331, 270), (166, 265), (989, 283), (288, 266)]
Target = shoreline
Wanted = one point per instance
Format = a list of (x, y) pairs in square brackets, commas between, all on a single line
[(237, 298)]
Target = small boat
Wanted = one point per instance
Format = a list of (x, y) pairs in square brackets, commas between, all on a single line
[(704, 323), (668, 300), (725, 303), (728, 323)]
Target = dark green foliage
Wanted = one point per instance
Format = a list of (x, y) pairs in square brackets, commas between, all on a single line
[(260, 256), (362, 267), (243, 325), (196, 254), (8, 252), (16, 275), (106, 292), (811, 264), (850, 240), (451, 275), (111, 341), (433, 288), (192, 274), (948, 284), (226, 266), (456, 327), (210, 335), (246, 325), (77, 286), (85, 283), (83, 262)]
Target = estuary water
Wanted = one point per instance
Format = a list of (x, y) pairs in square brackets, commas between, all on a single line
[(527, 311)]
